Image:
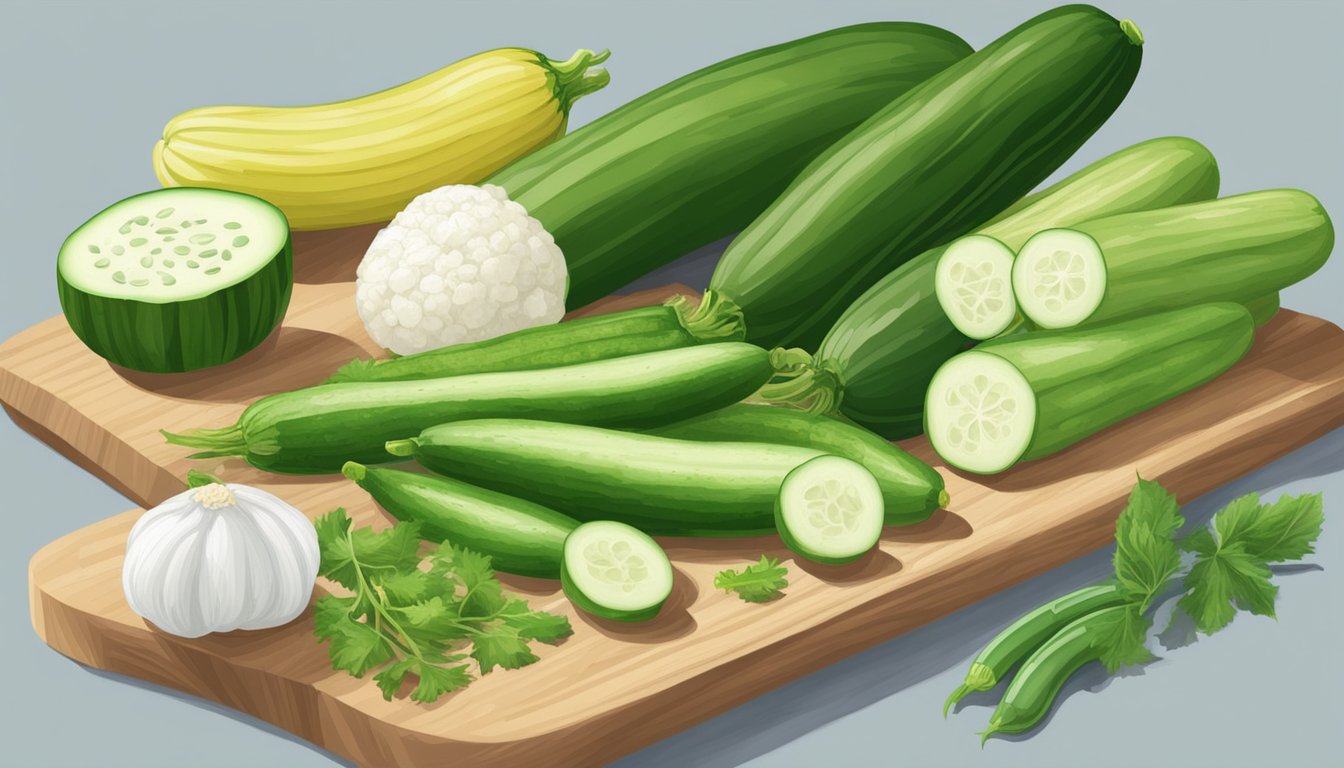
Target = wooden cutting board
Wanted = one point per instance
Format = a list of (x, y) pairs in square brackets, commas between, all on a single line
[(609, 689)]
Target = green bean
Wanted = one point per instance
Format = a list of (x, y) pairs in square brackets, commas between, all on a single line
[(1036, 684), (1025, 635)]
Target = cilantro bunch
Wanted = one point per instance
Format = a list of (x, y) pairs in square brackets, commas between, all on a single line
[(435, 622)]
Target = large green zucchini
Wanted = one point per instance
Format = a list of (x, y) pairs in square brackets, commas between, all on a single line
[(934, 164), (876, 362), (699, 158)]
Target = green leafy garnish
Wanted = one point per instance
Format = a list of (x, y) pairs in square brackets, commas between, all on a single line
[(759, 582), (1145, 555), (1232, 556), (1121, 644), (403, 620)]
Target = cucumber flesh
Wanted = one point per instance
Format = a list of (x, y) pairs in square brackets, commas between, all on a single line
[(981, 412), (830, 510), (1059, 278), (974, 286), (615, 571)]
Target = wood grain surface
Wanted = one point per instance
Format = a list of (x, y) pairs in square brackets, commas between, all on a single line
[(609, 689)]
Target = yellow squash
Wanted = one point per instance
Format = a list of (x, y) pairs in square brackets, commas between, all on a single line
[(362, 160)]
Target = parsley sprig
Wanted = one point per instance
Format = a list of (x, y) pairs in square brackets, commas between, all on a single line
[(1229, 570), (404, 620), (759, 582)]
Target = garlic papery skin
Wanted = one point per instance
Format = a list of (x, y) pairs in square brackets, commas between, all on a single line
[(219, 557)]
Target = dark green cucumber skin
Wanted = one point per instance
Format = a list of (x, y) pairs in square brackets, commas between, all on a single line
[(931, 166), (579, 599), (1236, 248), (910, 488), (661, 486), (647, 329), (316, 430), (888, 344), (519, 536), (188, 335), (697, 159), (1086, 379), (1263, 309)]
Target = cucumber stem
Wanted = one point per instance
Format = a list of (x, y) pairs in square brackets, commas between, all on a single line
[(1132, 31), (227, 441), (353, 470), (800, 381), (943, 498), (398, 448), (715, 318)]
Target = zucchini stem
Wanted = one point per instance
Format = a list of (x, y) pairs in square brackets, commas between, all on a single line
[(802, 382), (573, 79), (353, 470), (226, 441), (396, 448), (715, 318), (196, 478)]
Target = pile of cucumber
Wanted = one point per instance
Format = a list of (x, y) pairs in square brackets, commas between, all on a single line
[(900, 279)]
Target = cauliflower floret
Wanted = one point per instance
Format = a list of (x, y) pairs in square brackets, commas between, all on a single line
[(460, 263)]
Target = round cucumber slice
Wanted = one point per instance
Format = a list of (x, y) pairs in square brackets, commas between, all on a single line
[(1059, 278), (830, 510), (974, 286), (177, 279), (614, 571), (980, 412)]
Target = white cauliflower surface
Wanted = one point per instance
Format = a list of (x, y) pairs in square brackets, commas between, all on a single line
[(460, 263)]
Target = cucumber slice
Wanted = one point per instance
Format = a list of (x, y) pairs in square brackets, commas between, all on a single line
[(974, 286), (614, 571), (980, 413), (1059, 278), (830, 510), (177, 279)]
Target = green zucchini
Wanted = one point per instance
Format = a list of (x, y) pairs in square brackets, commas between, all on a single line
[(934, 164), (829, 510), (1022, 397), (697, 159), (875, 363), (1237, 248), (519, 536), (616, 572), (318, 429), (662, 486), (177, 279), (911, 489), (677, 323)]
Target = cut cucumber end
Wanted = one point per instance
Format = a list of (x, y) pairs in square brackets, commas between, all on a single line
[(354, 471), (1059, 278), (975, 287), (614, 571), (830, 510), (400, 447), (980, 412)]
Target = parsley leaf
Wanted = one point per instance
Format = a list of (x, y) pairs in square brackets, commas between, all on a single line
[(1273, 533), (405, 620), (1222, 580), (759, 582), (1145, 555), (1122, 636)]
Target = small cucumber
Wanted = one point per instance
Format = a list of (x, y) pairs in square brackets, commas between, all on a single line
[(318, 429), (1237, 248), (615, 572), (1019, 398), (519, 536), (829, 510)]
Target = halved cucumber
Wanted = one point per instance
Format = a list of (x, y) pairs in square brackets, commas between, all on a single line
[(974, 286), (177, 279), (982, 411), (830, 510), (614, 571), (1059, 278)]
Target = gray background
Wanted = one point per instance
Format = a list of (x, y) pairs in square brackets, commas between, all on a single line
[(85, 88)]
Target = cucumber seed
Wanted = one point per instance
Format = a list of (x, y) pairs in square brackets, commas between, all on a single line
[(240, 241), (101, 263), (232, 225), (212, 271), (140, 281), (146, 261), (165, 213), (181, 250), (138, 241), (119, 277), (209, 254), (117, 250), (202, 238)]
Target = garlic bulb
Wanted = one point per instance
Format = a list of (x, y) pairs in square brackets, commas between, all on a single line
[(219, 557)]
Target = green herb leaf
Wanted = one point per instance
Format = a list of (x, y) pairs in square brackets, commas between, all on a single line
[(407, 620), (1273, 533), (759, 582), (535, 625), (1145, 556), (1223, 580), (1121, 639)]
